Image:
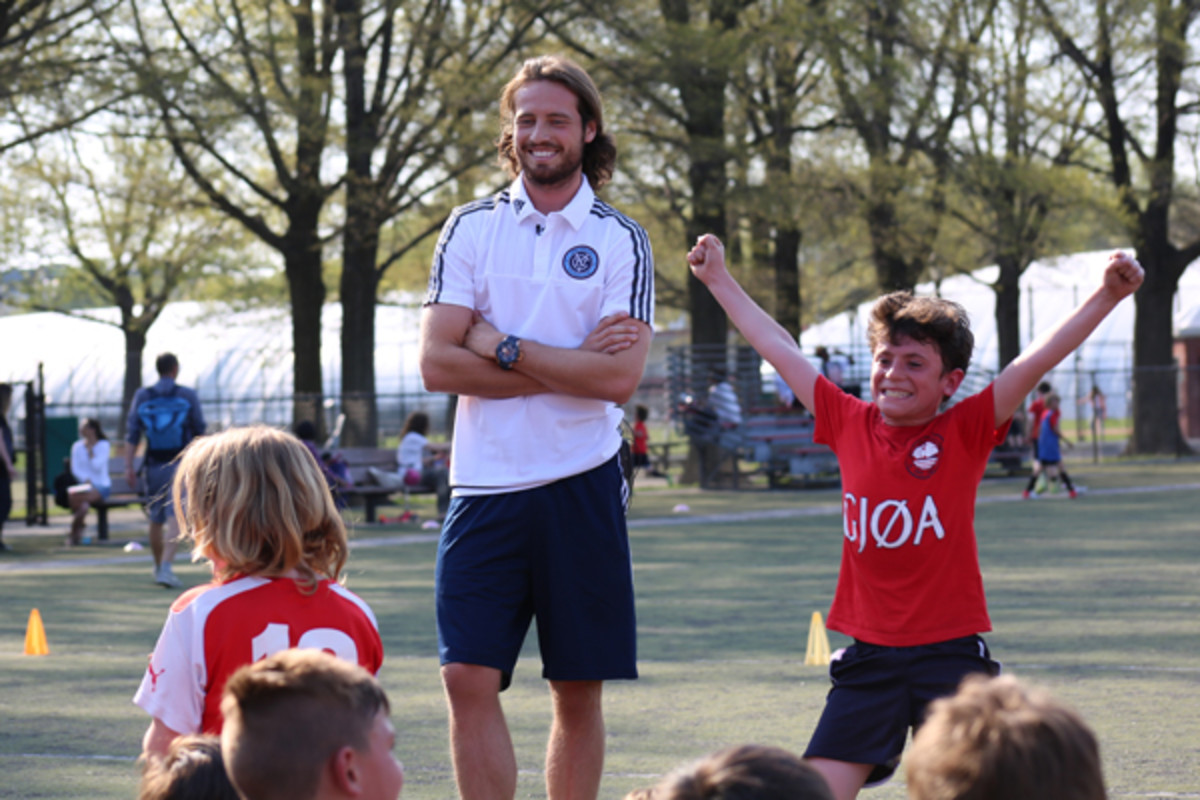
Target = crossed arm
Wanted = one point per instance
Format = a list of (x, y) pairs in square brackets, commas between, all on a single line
[(458, 355)]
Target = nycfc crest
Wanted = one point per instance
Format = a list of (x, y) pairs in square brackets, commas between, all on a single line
[(581, 262)]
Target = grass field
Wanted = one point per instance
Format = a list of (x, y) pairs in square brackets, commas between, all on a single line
[(1097, 598)]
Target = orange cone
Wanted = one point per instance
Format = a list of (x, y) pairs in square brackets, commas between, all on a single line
[(818, 642), (35, 636)]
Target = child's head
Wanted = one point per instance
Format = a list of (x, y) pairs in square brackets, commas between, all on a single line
[(417, 422), (191, 770), (254, 502), (934, 320), (301, 722), (1044, 388), (641, 413), (747, 772), (999, 738), (1053, 401), (920, 349)]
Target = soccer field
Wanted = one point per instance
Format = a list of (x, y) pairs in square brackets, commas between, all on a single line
[(1096, 598)]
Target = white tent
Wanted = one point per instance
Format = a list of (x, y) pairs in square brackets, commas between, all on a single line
[(222, 353)]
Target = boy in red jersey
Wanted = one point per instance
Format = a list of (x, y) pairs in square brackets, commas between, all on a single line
[(910, 590)]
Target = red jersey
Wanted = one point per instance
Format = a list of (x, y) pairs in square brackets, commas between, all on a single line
[(212, 630), (910, 569), (1036, 409), (641, 439)]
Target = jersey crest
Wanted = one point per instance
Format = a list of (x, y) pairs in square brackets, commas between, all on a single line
[(581, 262), (922, 460)]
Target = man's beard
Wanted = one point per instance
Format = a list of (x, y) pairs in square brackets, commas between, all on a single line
[(552, 175)]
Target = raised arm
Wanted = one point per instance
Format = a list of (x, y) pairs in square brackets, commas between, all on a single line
[(1122, 277), (768, 337)]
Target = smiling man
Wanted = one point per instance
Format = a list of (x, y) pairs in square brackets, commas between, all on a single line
[(539, 315)]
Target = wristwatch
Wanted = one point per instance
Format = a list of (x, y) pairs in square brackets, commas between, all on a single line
[(508, 352)]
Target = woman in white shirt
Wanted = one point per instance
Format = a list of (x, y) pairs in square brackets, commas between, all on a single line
[(89, 465), (421, 463)]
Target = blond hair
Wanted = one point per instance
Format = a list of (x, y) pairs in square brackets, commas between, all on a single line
[(1000, 739), (254, 502)]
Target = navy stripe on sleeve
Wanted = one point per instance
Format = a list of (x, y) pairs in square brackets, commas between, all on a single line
[(641, 299), (433, 292)]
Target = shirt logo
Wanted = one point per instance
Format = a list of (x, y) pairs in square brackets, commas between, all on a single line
[(154, 675), (923, 459), (518, 204), (581, 262)]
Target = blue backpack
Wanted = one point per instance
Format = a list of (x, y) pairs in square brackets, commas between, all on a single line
[(165, 421)]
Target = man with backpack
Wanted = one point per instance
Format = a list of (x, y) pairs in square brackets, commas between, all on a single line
[(169, 415)]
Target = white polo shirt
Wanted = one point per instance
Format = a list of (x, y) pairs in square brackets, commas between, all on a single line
[(549, 279)]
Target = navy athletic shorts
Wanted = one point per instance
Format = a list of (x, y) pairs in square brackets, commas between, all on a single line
[(158, 489), (879, 693), (557, 553)]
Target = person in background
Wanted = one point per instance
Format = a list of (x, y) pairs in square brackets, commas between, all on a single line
[(1034, 419), (416, 456), (306, 432), (89, 465), (171, 413), (723, 400), (8, 472), (1001, 739), (1050, 459)]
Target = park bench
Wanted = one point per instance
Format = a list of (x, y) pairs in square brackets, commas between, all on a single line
[(122, 495), (780, 441), (365, 490)]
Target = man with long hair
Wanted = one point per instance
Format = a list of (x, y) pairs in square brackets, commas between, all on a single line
[(539, 315)]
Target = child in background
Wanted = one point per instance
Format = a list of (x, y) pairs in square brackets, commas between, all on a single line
[(255, 505), (1034, 419), (910, 590), (641, 438), (1049, 454)]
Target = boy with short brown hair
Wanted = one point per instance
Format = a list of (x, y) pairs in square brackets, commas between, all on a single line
[(910, 590)]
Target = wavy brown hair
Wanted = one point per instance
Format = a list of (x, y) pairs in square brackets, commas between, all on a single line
[(599, 155), (934, 320), (254, 502), (1001, 738)]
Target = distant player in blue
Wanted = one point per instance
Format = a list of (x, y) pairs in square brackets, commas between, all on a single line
[(169, 416), (1049, 458)]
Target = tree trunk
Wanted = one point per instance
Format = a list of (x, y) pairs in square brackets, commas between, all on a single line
[(1008, 309), (1155, 379), (360, 241), (135, 349), (787, 278), (306, 289)]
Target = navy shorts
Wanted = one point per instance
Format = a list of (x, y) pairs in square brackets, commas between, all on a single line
[(879, 693), (158, 489), (558, 554)]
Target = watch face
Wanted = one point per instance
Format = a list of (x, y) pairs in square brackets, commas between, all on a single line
[(508, 351)]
